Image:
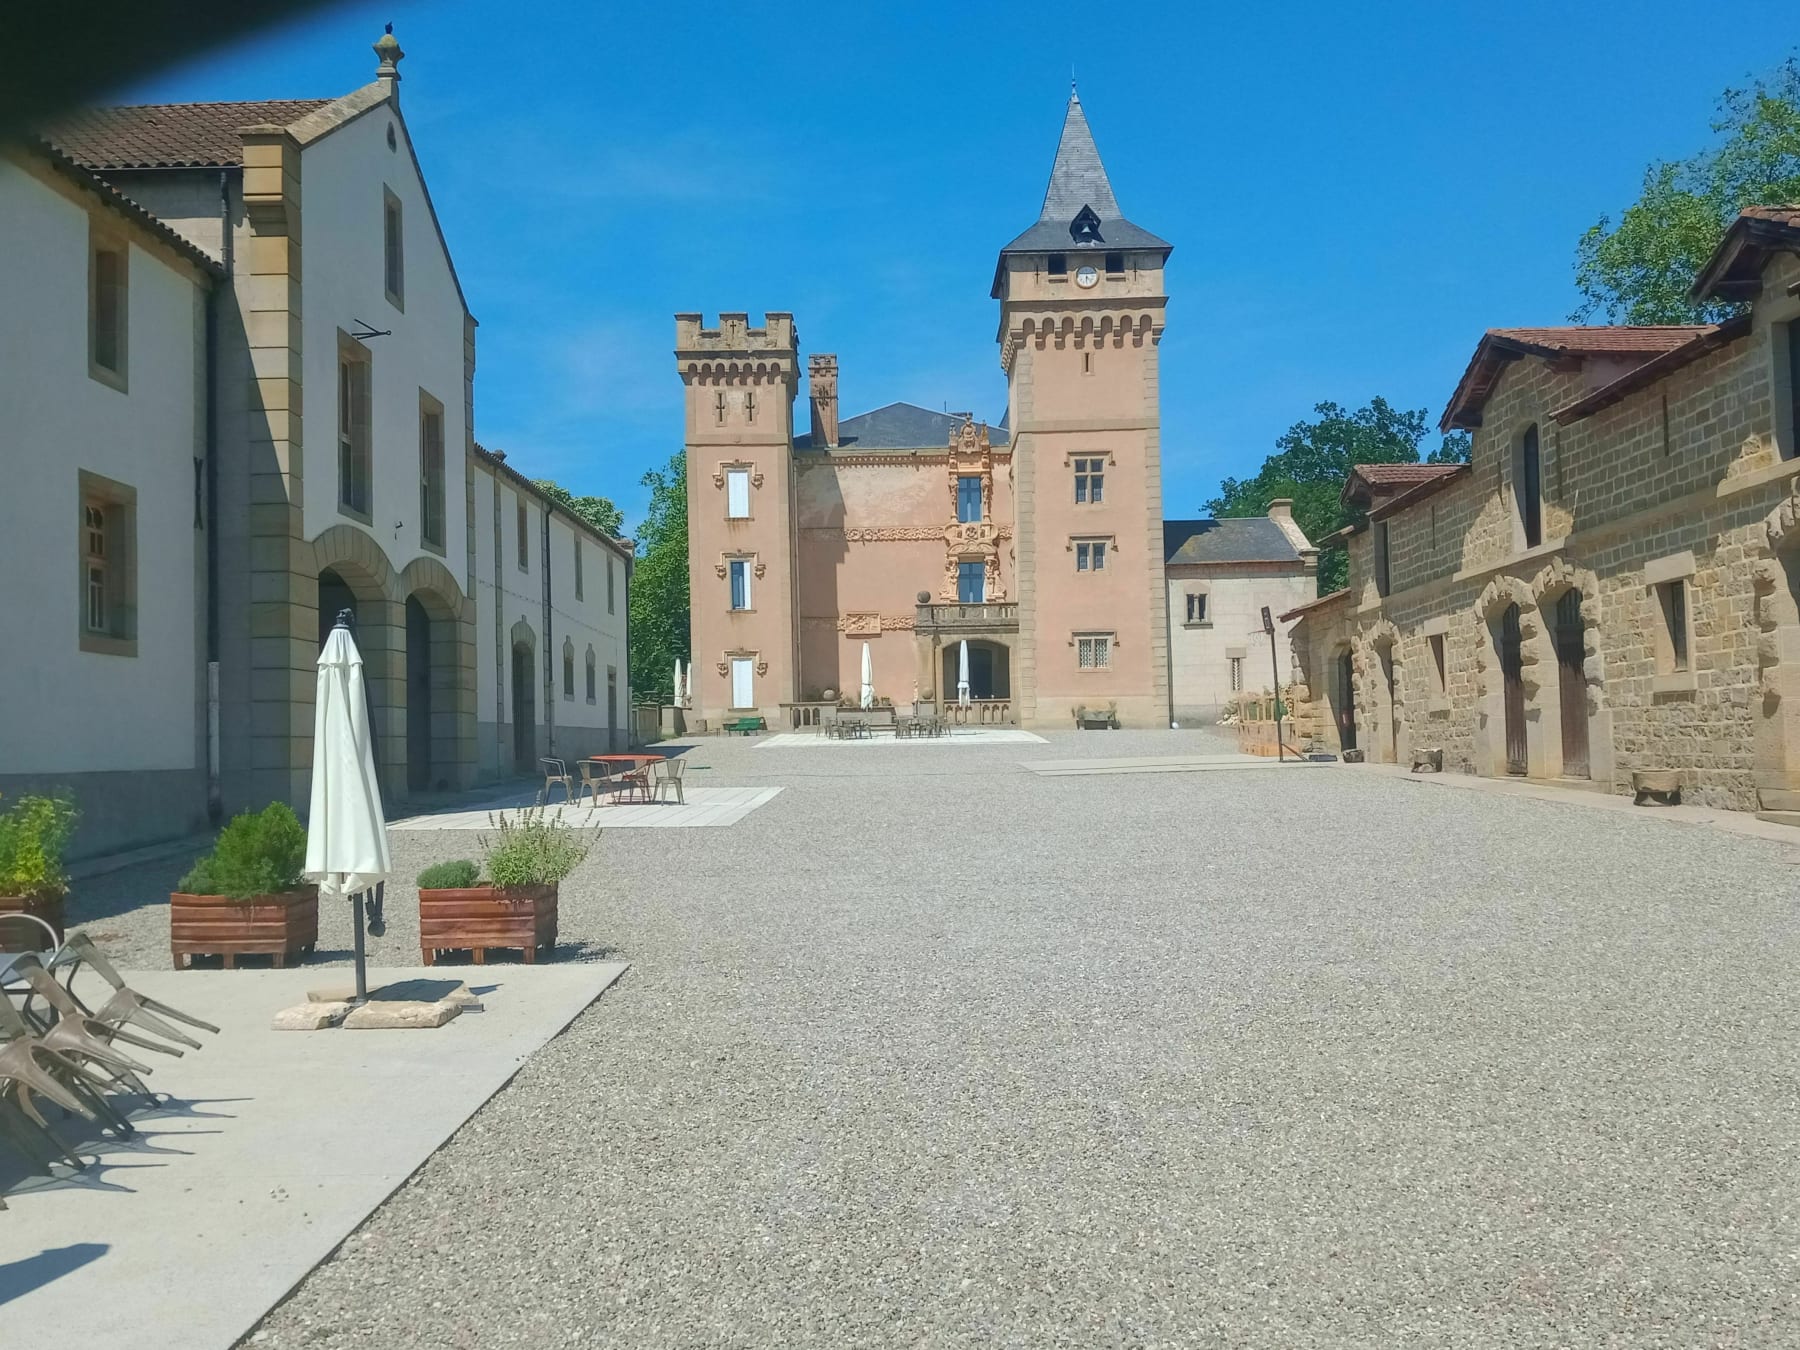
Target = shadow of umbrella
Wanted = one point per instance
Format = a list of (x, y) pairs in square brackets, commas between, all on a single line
[(34, 1272)]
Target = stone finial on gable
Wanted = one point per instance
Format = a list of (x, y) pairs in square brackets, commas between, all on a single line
[(387, 47)]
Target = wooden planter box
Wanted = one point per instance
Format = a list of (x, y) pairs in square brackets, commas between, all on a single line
[(49, 908), (475, 918), (284, 926)]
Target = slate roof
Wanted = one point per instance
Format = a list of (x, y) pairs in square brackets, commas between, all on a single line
[(1499, 347), (899, 426), (169, 135), (1078, 179), (1229, 540)]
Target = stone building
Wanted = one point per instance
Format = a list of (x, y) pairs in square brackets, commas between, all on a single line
[(1610, 584), (1038, 540), (198, 284)]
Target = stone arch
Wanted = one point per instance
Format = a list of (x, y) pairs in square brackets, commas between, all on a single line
[(1537, 664), (1558, 577), (1775, 582), (439, 673), (523, 693), (1385, 679), (354, 558)]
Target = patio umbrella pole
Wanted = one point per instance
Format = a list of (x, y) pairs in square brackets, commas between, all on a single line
[(362, 969)]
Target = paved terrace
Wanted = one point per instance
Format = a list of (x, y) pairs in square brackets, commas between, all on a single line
[(930, 1050)]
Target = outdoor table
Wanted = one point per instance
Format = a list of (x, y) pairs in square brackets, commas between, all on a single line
[(628, 760)]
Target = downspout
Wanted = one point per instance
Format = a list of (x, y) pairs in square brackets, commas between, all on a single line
[(549, 643), (630, 715), (502, 649), (215, 794)]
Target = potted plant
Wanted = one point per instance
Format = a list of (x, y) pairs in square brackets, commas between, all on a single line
[(526, 859), (33, 834), (246, 896)]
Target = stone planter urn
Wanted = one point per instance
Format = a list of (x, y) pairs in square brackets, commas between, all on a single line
[(1659, 787), (475, 918), (284, 927), (1353, 757), (48, 907)]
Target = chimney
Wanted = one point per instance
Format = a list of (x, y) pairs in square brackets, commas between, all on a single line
[(821, 385), (388, 72), (1281, 509)]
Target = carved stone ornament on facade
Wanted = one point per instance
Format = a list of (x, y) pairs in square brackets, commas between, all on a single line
[(869, 624), (762, 667), (756, 478)]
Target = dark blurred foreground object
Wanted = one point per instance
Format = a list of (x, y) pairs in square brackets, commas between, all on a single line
[(55, 56)]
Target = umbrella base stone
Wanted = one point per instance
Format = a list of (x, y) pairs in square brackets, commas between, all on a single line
[(400, 1016), (311, 1016), (404, 991)]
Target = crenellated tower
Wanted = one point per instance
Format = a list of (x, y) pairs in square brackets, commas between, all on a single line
[(740, 385), (1081, 313)]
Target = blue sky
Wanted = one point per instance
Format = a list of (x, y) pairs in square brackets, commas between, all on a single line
[(1352, 198)]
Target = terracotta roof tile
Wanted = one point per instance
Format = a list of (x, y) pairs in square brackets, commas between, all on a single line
[(1778, 215), (1310, 605), (1734, 272), (1384, 475), (1501, 346), (1709, 339), (169, 135), (1416, 492)]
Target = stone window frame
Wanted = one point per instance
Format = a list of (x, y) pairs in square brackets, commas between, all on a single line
[(592, 667), (568, 670), (758, 669), (752, 481), (755, 569), (355, 442), (104, 237), (1107, 543), (1784, 374), (432, 491), (1382, 545), (1670, 583), (1111, 644), (1522, 541), (393, 248), (1108, 460), (118, 502), (1203, 593), (1436, 633)]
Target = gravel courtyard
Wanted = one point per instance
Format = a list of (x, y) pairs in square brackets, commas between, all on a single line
[(933, 1051)]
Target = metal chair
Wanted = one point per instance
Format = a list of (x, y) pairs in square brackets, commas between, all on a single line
[(126, 1004), (635, 780), (668, 774), (555, 771), (594, 776)]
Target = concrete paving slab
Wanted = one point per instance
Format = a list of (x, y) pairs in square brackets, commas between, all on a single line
[(801, 740), (704, 807), (1064, 768), (273, 1149)]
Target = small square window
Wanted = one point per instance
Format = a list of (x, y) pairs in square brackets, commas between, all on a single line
[(1058, 266), (1115, 264), (1196, 607), (1093, 651)]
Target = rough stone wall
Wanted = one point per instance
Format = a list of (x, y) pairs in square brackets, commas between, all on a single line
[(1680, 478)]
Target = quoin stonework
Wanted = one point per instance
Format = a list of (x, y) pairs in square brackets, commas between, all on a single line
[(1038, 540), (1609, 587)]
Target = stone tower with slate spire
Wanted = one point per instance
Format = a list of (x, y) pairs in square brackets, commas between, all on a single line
[(1081, 313)]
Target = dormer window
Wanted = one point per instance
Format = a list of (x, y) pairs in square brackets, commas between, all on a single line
[(1058, 266), (1085, 228)]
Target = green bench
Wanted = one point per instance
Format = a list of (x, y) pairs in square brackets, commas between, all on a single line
[(745, 726)]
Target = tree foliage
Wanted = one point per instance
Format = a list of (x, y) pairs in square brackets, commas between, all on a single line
[(1312, 460), (659, 584), (1638, 269), (599, 512)]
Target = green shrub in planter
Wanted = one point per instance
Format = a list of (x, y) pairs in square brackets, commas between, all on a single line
[(33, 835), (533, 849), (258, 853), (455, 875)]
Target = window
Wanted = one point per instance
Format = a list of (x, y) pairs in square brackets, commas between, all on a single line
[(1381, 557), (522, 528), (737, 494), (590, 675), (612, 700), (1090, 481), (609, 583), (971, 583), (968, 498), (1093, 651), (1058, 265), (108, 544), (1090, 555), (1529, 488), (578, 577), (393, 252), (568, 670), (355, 496), (1115, 264), (1673, 595), (107, 294), (431, 471), (743, 682), (740, 583), (1236, 674), (1087, 363), (1438, 668), (1196, 607)]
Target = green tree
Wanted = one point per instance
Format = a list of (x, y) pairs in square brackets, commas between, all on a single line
[(598, 512), (1312, 460), (659, 584), (1638, 269)]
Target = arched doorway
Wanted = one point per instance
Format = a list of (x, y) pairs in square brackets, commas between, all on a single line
[(524, 707), (1343, 698), (990, 669), (418, 696), (1390, 704), (1510, 643), (1571, 681), (336, 596)]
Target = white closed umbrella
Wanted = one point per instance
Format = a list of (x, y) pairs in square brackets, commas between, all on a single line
[(687, 698), (346, 834), (962, 674), (678, 684), (868, 678)]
